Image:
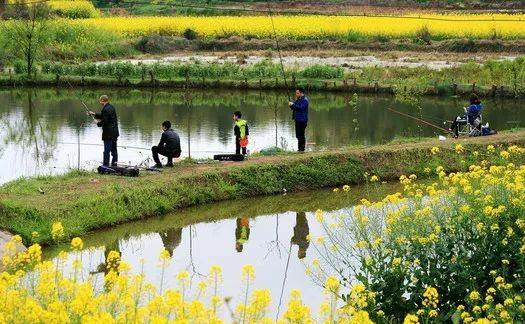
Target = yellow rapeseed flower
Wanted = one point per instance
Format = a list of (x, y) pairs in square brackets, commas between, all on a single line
[(77, 244), (57, 231)]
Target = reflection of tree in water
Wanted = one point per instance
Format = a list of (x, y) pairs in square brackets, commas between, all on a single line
[(171, 239), (31, 133)]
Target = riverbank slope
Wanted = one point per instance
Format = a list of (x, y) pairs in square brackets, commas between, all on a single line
[(85, 201)]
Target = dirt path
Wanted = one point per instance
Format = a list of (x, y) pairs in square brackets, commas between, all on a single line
[(350, 62)]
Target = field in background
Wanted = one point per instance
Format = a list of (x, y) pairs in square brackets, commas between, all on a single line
[(434, 27)]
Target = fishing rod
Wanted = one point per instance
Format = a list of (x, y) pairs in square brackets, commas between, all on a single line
[(278, 50), (81, 101), (131, 147), (96, 144), (419, 120)]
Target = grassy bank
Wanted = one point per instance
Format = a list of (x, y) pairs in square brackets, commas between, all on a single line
[(339, 85), (494, 78), (85, 201)]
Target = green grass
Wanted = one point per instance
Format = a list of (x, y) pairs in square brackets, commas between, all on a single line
[(83, 205), (493, 78)]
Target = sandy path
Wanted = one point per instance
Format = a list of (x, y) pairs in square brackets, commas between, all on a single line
[(348, 62)]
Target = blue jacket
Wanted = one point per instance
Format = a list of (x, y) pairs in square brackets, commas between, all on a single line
[(300, 109), (473, 111)]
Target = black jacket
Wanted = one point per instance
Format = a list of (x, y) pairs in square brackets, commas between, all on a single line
[(170, 141), (108, 122)]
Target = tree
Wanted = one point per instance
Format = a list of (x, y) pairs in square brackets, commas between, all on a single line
[(25, 31)]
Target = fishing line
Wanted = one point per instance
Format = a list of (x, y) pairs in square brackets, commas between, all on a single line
[(79, 99), (278, 51), (284, 283), (418, 120), (131, 147)]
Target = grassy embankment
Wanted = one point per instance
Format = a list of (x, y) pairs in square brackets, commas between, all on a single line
[(493, 78), (85, 201)]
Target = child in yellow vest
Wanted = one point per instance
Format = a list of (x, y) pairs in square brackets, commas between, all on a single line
[(241, 133)]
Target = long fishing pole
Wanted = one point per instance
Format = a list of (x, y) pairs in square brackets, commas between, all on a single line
[(419, 120), (278, 51), (131, 147), (79, 99)]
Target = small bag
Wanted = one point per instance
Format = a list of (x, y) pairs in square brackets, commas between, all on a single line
[(229, 157), (243, 142), (121, 171)]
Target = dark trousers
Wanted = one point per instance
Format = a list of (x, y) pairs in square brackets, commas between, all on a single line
[(110, 146), (155, 150), (300, 128), (238, 147)]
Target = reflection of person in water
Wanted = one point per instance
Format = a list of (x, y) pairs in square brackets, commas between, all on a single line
[(113, 246), (242, 233), (300, 234), (171, 238)]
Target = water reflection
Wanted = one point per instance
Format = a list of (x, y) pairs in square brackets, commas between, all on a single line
[(43, 128), (272, 235), (171, 238), (300, 234), (242, 233)]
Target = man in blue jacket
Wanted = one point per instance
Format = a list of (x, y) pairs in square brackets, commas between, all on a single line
[(472, 112), (300, 115), (107, 119)]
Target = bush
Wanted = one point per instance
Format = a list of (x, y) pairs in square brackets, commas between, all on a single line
[(75, 9), (263, 69), (434, 248), (20, 67), (190, 34), (319, 71), (423, 35)]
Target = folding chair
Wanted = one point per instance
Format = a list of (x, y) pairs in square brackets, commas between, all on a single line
[(470, 129)]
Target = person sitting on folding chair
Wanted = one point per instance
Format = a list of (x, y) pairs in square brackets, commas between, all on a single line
[(169, 145), (471, 117)]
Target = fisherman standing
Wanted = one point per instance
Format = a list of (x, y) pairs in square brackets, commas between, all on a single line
[(241, 133), (300, 115), (107, 119), (169, 145)]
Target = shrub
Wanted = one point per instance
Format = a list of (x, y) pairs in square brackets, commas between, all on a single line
[(319, 71), (423, 35), (462, 234), (190, 34), (74, 9)]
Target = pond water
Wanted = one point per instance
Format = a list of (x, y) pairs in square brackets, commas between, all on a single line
[(41, 128), (265, 232)]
